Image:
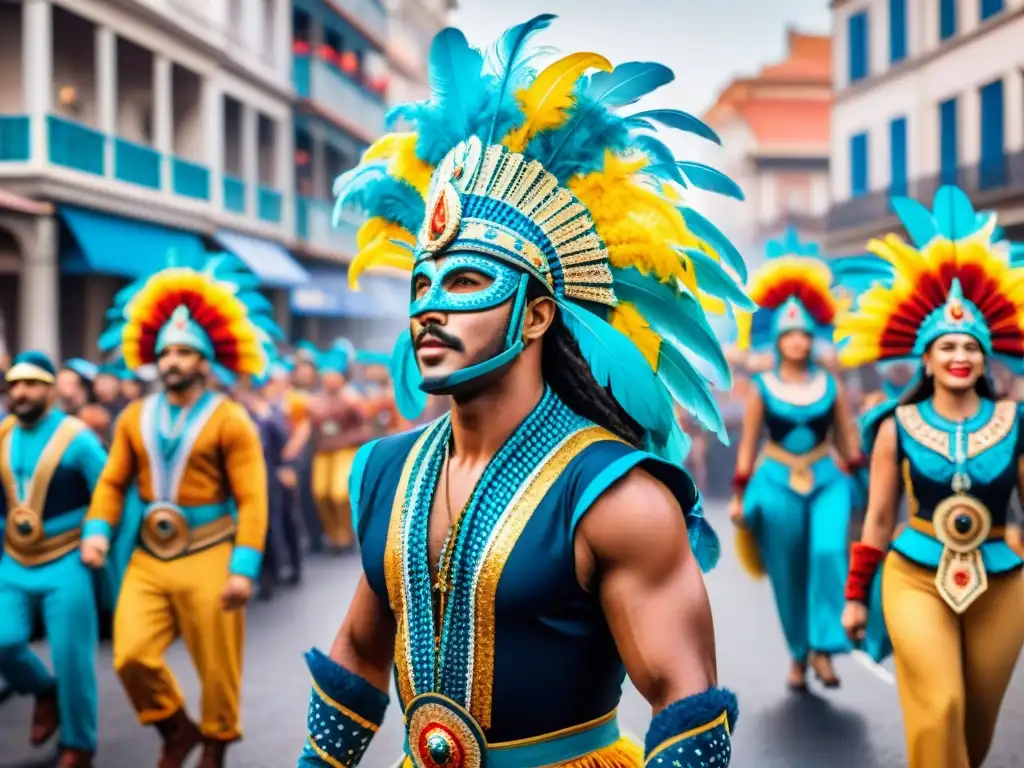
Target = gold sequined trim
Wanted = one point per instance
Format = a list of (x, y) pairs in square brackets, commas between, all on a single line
[(591, 293), (354, 717), (503, 540), (1003, 419), (930, 437), (908, 488), (394, 568), (998, 427)]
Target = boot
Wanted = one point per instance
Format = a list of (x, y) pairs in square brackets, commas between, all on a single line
[(45, 719), (75, 758), (180, 736), (821, 663), (213, 753)]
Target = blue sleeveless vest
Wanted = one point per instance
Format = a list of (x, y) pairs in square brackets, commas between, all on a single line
[(526, 650)]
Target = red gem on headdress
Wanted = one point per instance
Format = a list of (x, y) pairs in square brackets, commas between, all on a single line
[(179, 323), (457, 172), (792, 311), (956, 311), (439, 218), (960, 578)]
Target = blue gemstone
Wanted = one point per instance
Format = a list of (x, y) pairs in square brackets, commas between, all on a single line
[(963, 524), (24, 528), (439, 750), (164, 526)]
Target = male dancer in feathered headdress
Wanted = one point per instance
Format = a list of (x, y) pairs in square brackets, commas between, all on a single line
[(197, 459), (524, 553)]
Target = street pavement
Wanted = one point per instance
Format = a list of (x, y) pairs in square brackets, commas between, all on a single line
[(857, 726)]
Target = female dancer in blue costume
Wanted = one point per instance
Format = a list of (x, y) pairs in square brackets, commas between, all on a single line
[(525, 552), (952, 590), (792, 497)]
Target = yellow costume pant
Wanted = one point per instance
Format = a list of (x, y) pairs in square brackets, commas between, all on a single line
[(162, 600), (331, 471), (952, 671)]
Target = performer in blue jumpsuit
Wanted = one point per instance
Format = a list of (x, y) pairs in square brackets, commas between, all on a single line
[(49, 465), (792, 498), (526, 550), (951, 587)]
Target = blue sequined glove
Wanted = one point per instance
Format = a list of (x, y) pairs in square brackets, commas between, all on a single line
[(693, 731), (345, 712)]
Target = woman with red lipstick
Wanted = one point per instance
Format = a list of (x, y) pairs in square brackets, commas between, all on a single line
[(952, 590), (791, 501)]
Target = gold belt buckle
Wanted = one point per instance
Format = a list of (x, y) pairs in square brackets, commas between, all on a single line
[(801, 479), (962, 523), (25, 528), (443, 735), (166, 533)]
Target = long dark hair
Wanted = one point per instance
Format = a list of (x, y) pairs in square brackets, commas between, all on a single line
[(569, 376)]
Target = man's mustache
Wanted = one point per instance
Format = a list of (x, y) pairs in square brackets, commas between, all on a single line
[(172, 372), (435, 331)]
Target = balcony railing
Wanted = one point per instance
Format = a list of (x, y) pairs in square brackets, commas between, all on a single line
[(76, 146), (136, 164), (268, 204), (339, 94), (234, 195), (369, 14), (313, 225), (15, 139), (190, 179), (991, 180)]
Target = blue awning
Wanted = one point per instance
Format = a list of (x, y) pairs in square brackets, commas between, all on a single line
[(272, 264), (113, 245), (328, 295)]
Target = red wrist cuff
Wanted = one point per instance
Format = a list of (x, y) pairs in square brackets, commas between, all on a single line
[(864, 562), (739, 481)]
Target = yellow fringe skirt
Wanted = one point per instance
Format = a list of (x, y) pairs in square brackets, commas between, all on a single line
[(625, 753)]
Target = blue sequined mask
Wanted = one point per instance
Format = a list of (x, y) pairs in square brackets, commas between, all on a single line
[(437, 298)]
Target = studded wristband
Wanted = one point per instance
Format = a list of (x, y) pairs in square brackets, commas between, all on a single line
[(693, 731)]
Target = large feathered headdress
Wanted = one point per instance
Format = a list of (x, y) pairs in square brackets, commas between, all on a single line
[(957, 275), (792, 291), (541, 172), (208, 302)]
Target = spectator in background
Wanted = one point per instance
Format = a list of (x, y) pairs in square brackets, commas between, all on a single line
[(132, 387), (107, 389), (74, 385)]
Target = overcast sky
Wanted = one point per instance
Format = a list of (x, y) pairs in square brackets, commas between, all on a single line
[(706, 42)]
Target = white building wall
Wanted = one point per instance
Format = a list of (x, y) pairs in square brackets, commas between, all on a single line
[(959, 67)]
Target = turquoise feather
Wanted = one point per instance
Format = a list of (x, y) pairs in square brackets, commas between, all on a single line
[(690, 390), (627, 83), (917, 220), (954, 213), (721, 244), (681, 121), (638, 123), (661, 306), (453, 70), (110, 339), (704, 542), (616, 362), (715, 281), (661, 156), (507, 53), (709, 179), (405, 373), (390, 198)]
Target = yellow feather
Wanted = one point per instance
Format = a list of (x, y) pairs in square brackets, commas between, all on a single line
[(406, 165), (386, 146), (628, 320), (547, 100), (748, 553), (381, 253), (743, 323), (379, 227)]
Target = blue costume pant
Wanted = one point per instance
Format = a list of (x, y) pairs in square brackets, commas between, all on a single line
[(803, 543), (64, 591)]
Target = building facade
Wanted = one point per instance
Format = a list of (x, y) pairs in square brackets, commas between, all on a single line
[(146, 126), (926, 93), (774, 128)]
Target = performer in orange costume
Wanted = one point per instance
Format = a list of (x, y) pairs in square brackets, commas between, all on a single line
[(199, 465)]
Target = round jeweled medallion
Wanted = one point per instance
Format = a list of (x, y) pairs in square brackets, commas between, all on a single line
[(25, 526), (443, 734), (962, 522), (165, 531)]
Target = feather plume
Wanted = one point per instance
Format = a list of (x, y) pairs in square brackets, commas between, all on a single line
[(719, 243), (453, 70), (617, 363), (681, 121), (661, 157), (703, 542), (707, 178), (507, 52), (917, 220), (626, 319), (635, 123), (405, 373), (690, 390), (714, 280), (546, 102)]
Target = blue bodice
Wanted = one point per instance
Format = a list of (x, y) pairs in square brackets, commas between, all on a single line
[(525, 649), (797, 424), (991, 443)]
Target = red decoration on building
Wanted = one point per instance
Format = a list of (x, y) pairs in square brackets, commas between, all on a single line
[(348, 62), (328, 54), (300, 47)]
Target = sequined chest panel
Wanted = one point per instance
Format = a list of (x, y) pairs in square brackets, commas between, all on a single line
[(798, 416), (516, 480), (931, 448)]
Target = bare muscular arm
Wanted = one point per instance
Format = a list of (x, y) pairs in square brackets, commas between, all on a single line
[(365, 643), (847, 440), (632, 549)]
